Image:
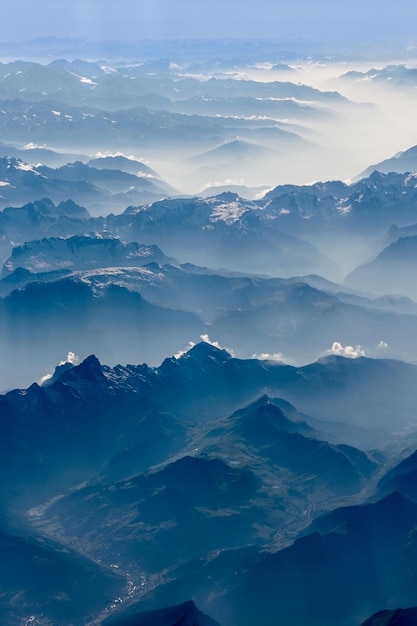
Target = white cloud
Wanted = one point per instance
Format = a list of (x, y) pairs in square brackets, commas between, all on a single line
[(179, 354), (265, 356), (383, 345), (347, 351), (71, 358), (44, 379)]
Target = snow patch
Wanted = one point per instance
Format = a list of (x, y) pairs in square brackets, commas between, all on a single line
[(228, 212), (87, 81), (342, 207), (25, 167), (108, 70)]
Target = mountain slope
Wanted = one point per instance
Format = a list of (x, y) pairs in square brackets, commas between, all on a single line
[(109, 410), (199, 488), (69, 315), (186, 614), (355, 560), (43, 581), (392, 271), (98, 189), (262, 433), (221, 231), (401, 478), (402, 162), (155, 521), (77, 252), (395, 617)]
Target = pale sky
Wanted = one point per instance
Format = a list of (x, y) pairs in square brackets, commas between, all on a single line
[(165, 19)]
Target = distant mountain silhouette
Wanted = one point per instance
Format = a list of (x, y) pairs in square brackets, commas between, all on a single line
[(402, 162), (231, 150), (392, 271), (394, 617)]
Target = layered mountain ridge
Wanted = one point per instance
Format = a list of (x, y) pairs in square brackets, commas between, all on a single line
[(247, 454), (141, 469)]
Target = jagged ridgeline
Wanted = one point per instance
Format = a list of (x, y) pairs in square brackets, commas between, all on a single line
[(231, 437), (255, 275), (195, 478)]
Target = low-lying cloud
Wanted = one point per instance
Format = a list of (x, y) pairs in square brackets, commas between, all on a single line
[(265, 356), (71, 358), (352, 352)]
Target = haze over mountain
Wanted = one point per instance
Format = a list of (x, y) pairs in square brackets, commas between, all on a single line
[(117, 299), (391, 77), (298, 319), (261, 463), (41, 577), (402, 162), (393, 270), (97, 189), (118, 285), (145, 108), (80, 252), (266, 472), (342, 569), (333, 216)]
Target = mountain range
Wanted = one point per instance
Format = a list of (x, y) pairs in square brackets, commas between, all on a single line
[(77, 252), (99, 189), (168, 475), (405, 161), (136, 302), (394, 76), (160, 112), (121, 84), (348, 564), (291, 230), (393, 270), (131, 301), (222, 431)]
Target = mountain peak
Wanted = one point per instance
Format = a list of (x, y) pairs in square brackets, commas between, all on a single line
[(205, 350), (70, 208), (254, 406), (265, 420), (89, 370)]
